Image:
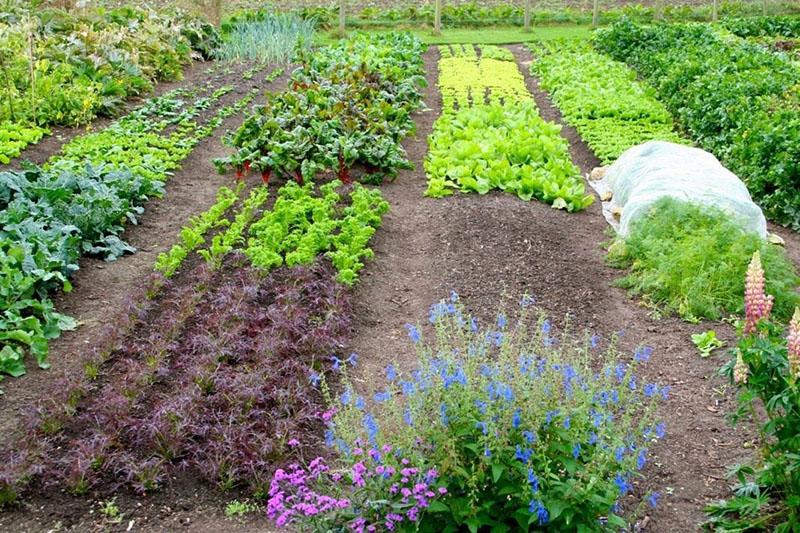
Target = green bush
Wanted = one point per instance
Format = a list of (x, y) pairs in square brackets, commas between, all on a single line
[(691, 260)]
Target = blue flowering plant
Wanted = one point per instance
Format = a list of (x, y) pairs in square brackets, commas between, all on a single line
[(526, 429)]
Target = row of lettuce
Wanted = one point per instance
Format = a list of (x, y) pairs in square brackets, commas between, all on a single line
[(66, 68), (490, 134), (78, 202), (247, 300)]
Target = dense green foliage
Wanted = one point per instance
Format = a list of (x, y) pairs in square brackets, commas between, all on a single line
[(601, 98), (763, 26), (490, 135), (78, 203), (348, 104), (264, 36), (302, 225), (691, 260), (735, 99), (479, 14), (60, 68), (510, 148)]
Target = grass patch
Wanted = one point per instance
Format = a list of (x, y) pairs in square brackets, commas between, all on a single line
[(691, 261), (498, 35)]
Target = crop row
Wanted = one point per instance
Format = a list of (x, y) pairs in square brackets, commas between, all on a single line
[(491, 136), (349, 105), (77, 204), (601, 98), (466, 80), (61, 68), (735, 99)]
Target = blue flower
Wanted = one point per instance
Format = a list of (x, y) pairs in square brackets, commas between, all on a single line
[(660, 430), (408, 388), (576, 450), (501, 321), (314, 379), (641, 459), (382, 396), (650, 390), (549, 415), (337, 363), (483, 427), (653, 499), (515, 419), (473, 324), (481, 405), (346, 397), (595, 340), (537, 508), (487, 452), (453, 296), (407, 417), (527, 301), (391, 373), (566, 423), (619, 371), (495, 337), (360, 403), (593, 438), (665, 392), (372, 428), (615, 396), (523, 455), (457, 377), (413, 333), (619, 454), (530, 436), (622, 484), (642, 354), (353, 359), (329, 437), (546, 327), (443, 414), (533, 480)]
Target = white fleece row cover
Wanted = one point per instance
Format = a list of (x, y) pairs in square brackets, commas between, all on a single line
[(658, 169)]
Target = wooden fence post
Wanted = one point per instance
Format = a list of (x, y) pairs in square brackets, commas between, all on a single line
[(341, 18), (596, 13), (527, 28), (437, 18), (659, 15), (714, 11)]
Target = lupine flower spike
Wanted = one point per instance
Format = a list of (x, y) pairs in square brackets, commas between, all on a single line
[(794, 345), (757, 305), (740, 370)]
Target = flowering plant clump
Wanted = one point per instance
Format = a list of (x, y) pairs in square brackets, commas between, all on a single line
[(525, 428), (379, 490), (766, 366)]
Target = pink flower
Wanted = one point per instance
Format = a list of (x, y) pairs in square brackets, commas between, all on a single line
[(794, 345), (757, 305), (442, 491), (293, 442)]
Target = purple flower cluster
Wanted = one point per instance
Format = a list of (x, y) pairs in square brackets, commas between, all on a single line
[(379, 491)]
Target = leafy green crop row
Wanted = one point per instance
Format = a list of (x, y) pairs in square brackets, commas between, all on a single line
[(735, 99), (690, 260), (302, 226), (601, 98), (348, 104), (65, 69), (193, 234), (763, 26), (465, 80), (504, 144), (77, 204)]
